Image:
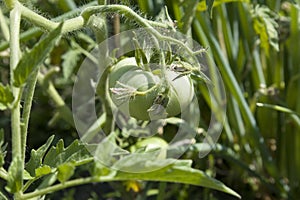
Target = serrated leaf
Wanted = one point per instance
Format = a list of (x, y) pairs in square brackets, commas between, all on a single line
[(37, 156), (32, 59), (14, 181), (65, 171), (265, 25), (6, 97), (179, 171), (71, 59), (75, 152), (43, 170)]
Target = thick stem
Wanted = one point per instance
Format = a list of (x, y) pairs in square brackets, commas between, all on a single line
[(15, 19)]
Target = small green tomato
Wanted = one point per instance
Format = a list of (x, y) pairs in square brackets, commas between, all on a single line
[(151, 144), (136, 92)]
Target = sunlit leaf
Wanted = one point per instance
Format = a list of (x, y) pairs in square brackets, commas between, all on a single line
[(202, 6), (265, 25), (6, 97), (43, 170), (179, 171), (32, 59), (65, 171)]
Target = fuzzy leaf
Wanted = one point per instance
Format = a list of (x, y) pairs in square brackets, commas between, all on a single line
[(6, 97), (32, 59), (75, 152), (65, 171), (36, 157), (71, 59), (14, 182)]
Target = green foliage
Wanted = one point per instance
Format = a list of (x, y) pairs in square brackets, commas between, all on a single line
[(180, 171), (265, 26), (36, 157), (14, 182), (65, 171), (6, 97), (255, 45), (31, 60), (75, 153)]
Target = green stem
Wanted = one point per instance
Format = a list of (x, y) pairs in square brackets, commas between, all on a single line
[(57, 187), (78, 22), (15, 19), (36, 32), (63, 110)]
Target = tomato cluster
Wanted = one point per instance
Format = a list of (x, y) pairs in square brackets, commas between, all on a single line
[(135, 90)]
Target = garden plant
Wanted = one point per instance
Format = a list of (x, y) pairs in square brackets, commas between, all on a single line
[(149, 99)]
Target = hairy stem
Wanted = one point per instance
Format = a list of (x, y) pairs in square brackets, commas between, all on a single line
[(15, 19), (57, 187)]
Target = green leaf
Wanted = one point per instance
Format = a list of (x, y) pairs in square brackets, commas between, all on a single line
[(26, 175), (65, 171), (6, 97), (75, 152), (36, 157), (43, 170), (14, 182), (32, 59), (209, 4), (179, 171), (71, 59), (265, 25)]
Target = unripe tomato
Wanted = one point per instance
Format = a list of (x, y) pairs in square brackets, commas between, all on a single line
[(150, 144), (126, 77)]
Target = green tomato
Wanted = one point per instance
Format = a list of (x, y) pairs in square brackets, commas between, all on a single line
[(126, 78), (150, 144)]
